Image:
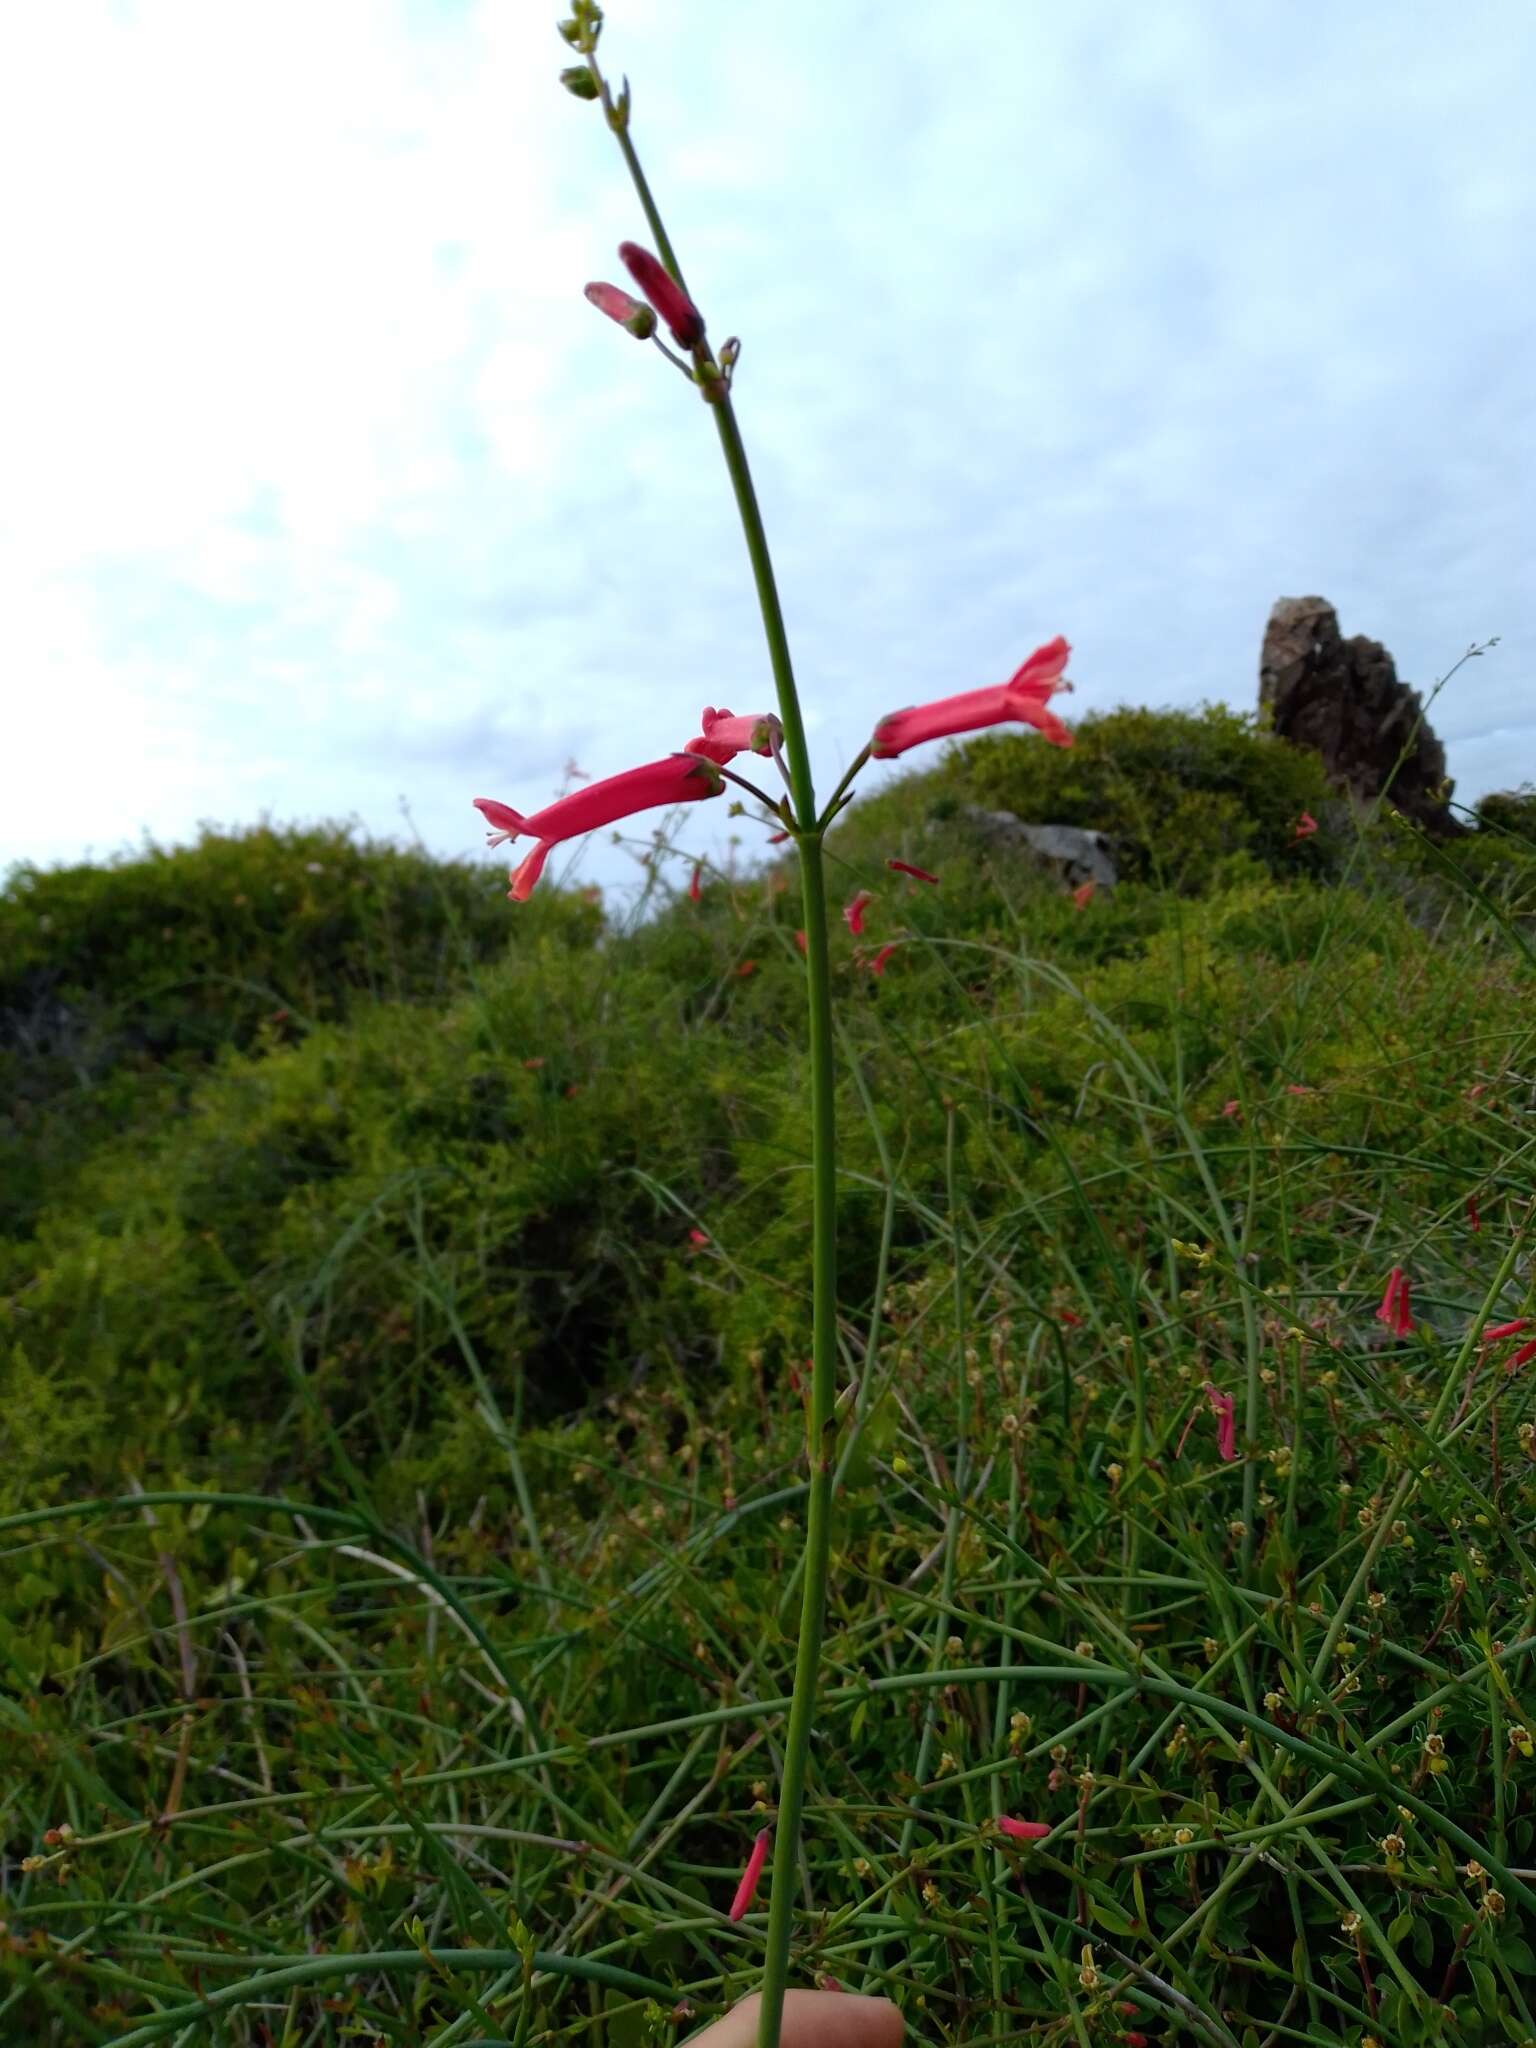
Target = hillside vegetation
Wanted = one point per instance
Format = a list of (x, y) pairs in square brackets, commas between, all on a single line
[(403, 1308)]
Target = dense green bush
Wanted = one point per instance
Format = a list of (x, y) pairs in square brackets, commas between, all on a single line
[(1176, 791), (117, 982)]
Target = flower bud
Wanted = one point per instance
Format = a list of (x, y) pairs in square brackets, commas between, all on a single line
[(665, 294), (630, 313), (571, 31), (579, 82)]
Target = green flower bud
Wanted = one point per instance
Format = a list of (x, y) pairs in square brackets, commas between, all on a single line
[(579, 82)]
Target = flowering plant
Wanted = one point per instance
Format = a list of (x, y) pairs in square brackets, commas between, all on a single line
[(698, 769)]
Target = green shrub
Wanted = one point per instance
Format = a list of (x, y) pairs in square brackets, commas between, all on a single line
[(1175, 791)]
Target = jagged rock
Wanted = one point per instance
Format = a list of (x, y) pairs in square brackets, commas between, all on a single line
[(1082, 856), (1343, 699)]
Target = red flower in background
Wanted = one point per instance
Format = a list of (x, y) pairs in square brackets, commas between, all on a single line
[(1396, 1309), (905, 867), (746, 1891), (1024, 1830), (1225, 1410), (854, 909)]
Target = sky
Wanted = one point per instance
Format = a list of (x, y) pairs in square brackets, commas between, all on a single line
[(325, 495)]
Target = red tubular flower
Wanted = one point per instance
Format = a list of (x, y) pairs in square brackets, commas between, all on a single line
[(777, 838), (1306, 825), (1225, 1410), (1023, 698), (1232, 1108), (725, 736), (1396, 1309), (747, 967), (680, 778), (664, 293), (618, 305), (854, 909), (1024, 1830), (1498, 1330), (697, 1236), (877, 965), (905, 867), (800, 940), (1521, 1357), (695, 887), (1082, 895), (746, 1891), (1474, 1220)]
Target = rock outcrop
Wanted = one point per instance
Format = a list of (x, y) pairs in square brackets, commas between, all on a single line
[(1343, 699), (1076, 854)]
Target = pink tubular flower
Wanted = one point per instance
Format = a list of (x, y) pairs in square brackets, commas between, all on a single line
[(664, 293), (1232, 1108), (746, 1891), (1306, 825), (1082, 895), (877, 965), (1023, 698), (800, 940), (680, 778), (1024, 1830), (854, 909), (905, 867), (1521, 1357), (725, 736), (1225, 1410), (1396, 1309), (1492, 1336), (618, 305)]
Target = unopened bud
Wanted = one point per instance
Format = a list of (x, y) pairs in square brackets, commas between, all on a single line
[(571, 30), (579, 82), (665, 294), (631, 314)]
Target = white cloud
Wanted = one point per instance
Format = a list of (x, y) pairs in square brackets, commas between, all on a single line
[(322, 483)]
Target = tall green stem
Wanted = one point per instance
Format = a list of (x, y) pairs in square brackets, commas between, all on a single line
[(822, 1424), (821, 1429)]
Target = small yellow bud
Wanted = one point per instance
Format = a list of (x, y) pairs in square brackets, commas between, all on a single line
[(1183, 1836), (1273, 1702)]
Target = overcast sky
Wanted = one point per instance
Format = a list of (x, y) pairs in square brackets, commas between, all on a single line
[(322, 486)]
